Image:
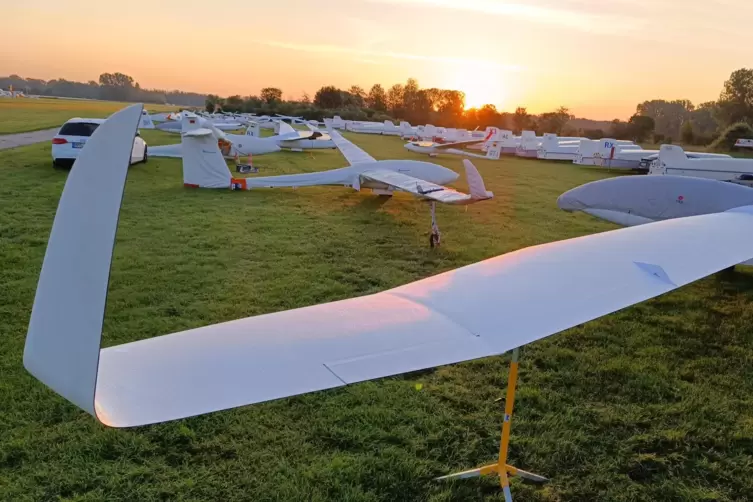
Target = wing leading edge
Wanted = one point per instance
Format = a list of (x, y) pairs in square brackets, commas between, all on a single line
[(352, 153), (475, 311)]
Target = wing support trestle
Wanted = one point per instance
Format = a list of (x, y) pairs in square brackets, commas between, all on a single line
[(501, 468)]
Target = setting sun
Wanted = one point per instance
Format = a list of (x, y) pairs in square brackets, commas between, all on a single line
[(483, 83)]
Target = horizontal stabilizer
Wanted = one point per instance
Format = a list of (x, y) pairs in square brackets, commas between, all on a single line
[(198, 132)]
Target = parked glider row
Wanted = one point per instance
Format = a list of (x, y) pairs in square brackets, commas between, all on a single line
[(479, 310)]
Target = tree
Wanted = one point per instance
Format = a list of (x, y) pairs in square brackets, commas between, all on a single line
[(704, 118), (487, 115), (395, 99), (305, 98), (211, 103), (115, 86), (686, 133), (555, 121), (668, 115), (233, 104), (377, 98), (357, 95), (619, 130), (115, 80), (736, 99), (328, 97), (521, 120), (271, 94), (452, 108), (640, 127), (593, 133), (411, 105)]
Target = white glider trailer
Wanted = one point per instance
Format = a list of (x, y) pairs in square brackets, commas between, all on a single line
[(529, 145), (556, 148), (591, 152), (673, 160)]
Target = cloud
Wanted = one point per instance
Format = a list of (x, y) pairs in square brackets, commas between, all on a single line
[(563, 17), (368, 55)]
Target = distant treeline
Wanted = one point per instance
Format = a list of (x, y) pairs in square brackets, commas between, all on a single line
[(656, 120), (110, 87)]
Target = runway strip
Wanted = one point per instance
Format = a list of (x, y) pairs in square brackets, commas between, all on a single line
[(26, 138)]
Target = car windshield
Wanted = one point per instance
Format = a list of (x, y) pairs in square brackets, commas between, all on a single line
[(78, 129)]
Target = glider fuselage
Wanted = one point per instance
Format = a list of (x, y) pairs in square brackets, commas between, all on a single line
[(350, 176)]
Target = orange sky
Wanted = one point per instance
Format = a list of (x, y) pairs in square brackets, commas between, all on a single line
[(598, 57)]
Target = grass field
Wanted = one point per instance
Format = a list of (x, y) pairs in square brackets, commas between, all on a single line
[(25, 114), (652, 403)]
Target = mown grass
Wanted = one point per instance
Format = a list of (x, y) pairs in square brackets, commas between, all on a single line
[(26, 114), (651, 403)]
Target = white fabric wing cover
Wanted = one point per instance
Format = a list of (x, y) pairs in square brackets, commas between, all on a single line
[(483, 309), (203, 163)]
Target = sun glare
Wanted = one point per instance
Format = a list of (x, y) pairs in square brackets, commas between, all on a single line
[(481, 86)]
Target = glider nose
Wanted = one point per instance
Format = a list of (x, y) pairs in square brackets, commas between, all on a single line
[(572, 200), (448, 176)]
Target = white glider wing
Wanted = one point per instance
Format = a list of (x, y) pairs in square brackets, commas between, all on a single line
[(418, 187), (351, 152), (444, 146), (475, 311)]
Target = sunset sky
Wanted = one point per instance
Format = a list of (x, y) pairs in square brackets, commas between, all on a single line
[(599, 58)]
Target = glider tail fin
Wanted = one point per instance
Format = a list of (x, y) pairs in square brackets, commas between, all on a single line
[(146, 120), (672, 155), (475, 182), (493, 150), (253, 129)]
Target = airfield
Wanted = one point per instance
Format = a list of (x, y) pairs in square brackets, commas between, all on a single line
[(651, 403)]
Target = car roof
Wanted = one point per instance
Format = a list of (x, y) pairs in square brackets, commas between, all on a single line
[(77, 120)]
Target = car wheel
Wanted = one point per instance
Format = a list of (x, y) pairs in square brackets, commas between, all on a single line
[(146, 156), (55, 164)]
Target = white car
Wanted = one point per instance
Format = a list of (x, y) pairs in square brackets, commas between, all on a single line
[(72, 137)]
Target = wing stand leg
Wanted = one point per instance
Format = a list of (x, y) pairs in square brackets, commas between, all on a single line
[(502, 468), (435, 238)]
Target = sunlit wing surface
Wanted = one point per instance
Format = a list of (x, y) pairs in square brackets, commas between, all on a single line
[(443, 146), (351, 152), (480, 310), (420, 188)]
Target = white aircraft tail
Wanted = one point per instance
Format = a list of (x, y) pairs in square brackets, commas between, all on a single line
[(146, 120), (492, 134), (253, 130), (493, 150), (672, 155), (475, 182), (286, 129), (203, 163)]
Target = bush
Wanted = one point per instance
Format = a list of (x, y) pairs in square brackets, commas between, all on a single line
[(593, 133), (726, 140), (686, 133)]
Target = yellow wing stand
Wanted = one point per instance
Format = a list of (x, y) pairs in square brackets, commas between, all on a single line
[(502, 468)]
